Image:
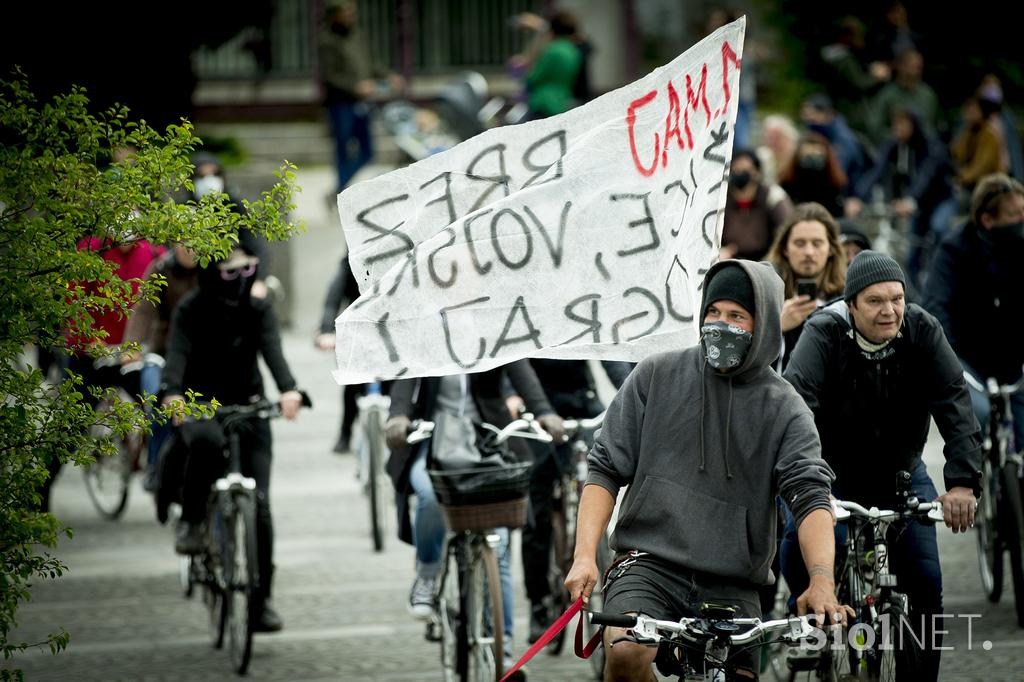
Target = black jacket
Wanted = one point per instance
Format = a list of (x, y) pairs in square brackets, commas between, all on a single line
[(417, 399), (977, 293), (342, 288), (873, 413), (213, 349)]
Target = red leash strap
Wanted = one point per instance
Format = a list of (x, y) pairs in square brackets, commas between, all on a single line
[(558, 626)]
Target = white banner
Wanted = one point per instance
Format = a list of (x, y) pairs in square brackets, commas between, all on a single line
[(581, 236)]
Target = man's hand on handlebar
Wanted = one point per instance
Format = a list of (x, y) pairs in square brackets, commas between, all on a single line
[(581, 579), (552, 423), (820, 599), (958, 508), (396, 431), (291, 403)]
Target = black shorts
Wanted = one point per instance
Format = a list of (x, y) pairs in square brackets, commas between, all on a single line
[(664, 591)]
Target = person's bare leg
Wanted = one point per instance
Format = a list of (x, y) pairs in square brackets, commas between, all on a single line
[(626, 661)]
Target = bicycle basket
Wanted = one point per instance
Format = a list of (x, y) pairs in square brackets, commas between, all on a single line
[(481, 485), (507, 514)]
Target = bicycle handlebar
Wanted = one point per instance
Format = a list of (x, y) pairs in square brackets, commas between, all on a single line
[(650, 631), (993, 387), (263, 409), (575, 426), (525, 427), (932, 511)]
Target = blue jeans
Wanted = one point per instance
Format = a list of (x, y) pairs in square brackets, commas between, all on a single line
[(913, 558), (350, 123), (149, 384), (428, 532), (983, 409)]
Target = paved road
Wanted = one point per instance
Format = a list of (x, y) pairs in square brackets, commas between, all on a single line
[(344, 606)]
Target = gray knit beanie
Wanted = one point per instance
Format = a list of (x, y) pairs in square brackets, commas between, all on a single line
[(871, 267)]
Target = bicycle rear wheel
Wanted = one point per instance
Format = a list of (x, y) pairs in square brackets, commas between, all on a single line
[(242, 580), (481, 640), (990, 550), (217, 609), (557, 567), (1013, 524), (107, 479), (376, 480)]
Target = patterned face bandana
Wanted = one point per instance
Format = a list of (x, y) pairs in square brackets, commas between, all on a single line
[(725, 345)]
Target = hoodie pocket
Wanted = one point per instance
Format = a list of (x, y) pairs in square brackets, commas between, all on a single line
[(687, 527)]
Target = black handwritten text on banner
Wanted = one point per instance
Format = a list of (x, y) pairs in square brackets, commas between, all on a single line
[(585, 235)]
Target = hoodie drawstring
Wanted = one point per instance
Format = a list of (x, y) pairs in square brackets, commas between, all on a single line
[(728, 420), (703, 394)]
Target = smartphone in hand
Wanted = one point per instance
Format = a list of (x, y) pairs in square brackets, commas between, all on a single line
[(807, 286)]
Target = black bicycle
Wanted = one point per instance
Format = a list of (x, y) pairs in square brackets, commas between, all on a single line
[(227, 568), (1000, 517)]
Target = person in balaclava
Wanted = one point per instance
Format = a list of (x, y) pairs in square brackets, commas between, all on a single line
[(875, 371), (217, 334), (703, 439)]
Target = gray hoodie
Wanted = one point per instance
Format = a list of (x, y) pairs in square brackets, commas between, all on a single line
[(705, 453)]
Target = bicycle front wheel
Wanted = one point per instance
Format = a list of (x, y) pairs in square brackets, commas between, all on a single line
[(448, 614), (107, 479), (481, 637), (990, 550), (897, 649), (376, 480), (1013, 524), (242, 580)]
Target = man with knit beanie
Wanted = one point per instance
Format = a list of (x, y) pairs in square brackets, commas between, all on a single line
[(875, 370), (704, 439)]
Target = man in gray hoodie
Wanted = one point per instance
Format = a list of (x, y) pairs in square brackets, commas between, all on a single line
[(705, 438)]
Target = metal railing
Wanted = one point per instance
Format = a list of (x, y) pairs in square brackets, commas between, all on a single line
[(425, 36)]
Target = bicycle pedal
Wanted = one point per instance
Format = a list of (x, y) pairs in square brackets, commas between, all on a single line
[(432, 633)]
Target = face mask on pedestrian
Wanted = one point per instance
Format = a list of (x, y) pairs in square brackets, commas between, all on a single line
[(821, 128), (740, 179), (725, 345), (1010, 234), (208, 184), (812, 162)]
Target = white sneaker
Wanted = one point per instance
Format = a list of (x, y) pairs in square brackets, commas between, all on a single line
[(421, 598)]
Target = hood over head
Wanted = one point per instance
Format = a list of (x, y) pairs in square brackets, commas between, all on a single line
[(716, 386), (768, 296)]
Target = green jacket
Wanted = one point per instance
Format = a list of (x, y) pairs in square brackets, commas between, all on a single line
[(551, 79)]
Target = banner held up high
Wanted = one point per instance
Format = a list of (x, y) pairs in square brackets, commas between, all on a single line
[(586, 235)]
